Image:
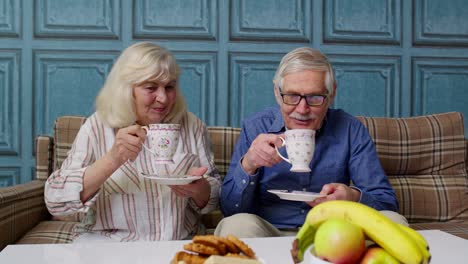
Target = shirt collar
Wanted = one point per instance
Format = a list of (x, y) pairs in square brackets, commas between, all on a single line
[(278, 123)]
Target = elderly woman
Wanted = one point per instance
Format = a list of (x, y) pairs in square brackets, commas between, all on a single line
[(101, 177)]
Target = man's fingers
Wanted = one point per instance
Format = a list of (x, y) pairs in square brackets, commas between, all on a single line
[(278, 142), (326, 189)]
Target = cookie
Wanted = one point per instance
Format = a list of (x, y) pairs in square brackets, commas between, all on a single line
[(187, 258), (244, 248), (210, 240), (201, 249), (230, 247)]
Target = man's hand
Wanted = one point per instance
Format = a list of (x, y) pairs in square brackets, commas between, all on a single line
[(261, 153), (337, 191), (198, 190)]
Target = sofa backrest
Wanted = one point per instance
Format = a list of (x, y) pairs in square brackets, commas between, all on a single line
[(425, 159), (431, 144), (223, 140)]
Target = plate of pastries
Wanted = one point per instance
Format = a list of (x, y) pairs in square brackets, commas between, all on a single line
[(211, 249)]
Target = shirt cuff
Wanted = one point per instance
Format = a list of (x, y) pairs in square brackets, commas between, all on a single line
[(242, 168), (360, 196)]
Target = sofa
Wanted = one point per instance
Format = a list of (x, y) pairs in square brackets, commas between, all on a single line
[(425, 158)]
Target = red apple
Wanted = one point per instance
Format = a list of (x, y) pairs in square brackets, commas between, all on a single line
[(339, 241), (377, 255)]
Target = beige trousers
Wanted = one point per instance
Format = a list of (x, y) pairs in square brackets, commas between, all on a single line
[(249, 225)]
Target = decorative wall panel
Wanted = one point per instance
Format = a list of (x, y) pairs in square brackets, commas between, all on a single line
[(77, 19), (9, 103), (198, 84), (368, 21), (392, 58), (10, 18), (9, 176), (439, 22), (251, 84), (367, 85), (66, 83), (196, 19), (278, 20), (440, 85)]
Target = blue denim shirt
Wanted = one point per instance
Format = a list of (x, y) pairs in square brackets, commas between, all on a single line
[(344, 152)]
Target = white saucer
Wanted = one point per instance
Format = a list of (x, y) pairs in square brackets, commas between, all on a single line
[(309, 257), (174, 180), (296, 195)]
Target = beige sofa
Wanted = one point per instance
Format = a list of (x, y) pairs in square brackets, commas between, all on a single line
[(424, 157)]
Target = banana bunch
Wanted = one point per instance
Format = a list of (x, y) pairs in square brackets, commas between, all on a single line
[(402, 242)]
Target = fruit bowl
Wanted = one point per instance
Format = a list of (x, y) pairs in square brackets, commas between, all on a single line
[(309, 257)]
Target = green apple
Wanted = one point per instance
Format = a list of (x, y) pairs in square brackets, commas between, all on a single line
[(377, 255), (339, 241)]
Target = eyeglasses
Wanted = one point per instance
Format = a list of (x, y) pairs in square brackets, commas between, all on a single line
[(311, 99)]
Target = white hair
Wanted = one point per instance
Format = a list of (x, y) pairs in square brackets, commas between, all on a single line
[(138, 63), (302, 59)]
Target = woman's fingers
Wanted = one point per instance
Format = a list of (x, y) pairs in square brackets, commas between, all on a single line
[(181, 191), (197, 171)]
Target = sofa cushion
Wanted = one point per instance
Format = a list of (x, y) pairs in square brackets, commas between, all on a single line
[(65, 130), (455, 228), (425, 160), (49, 232), (434, 197), (223, 141), (43, 151), (419, 145)]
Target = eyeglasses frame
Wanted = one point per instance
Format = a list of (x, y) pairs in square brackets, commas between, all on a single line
[(325, 97)]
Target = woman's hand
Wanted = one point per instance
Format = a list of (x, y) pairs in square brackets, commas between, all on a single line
[(198, 190), (127, 145)]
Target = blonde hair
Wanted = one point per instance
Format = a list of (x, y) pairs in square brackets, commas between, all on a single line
[(302, 59), (137, 64)]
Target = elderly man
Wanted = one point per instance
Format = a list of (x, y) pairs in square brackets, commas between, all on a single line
[(304, 87)]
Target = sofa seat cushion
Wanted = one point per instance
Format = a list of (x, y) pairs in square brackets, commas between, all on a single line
[(425, 198), (459, 229), (49, 232)]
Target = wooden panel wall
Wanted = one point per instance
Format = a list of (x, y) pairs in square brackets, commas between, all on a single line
[(392, 57)]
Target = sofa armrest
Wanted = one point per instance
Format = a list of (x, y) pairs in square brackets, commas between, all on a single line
[(21, 208), (466, 154)]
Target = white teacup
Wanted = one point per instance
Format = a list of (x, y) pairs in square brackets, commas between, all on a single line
[(300, 145), (162, 140)]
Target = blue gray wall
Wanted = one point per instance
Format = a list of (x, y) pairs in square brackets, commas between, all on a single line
[(392, 57)]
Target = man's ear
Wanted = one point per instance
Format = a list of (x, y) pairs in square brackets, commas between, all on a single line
[(277, 95)]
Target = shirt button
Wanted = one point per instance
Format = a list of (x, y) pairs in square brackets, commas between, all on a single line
[(304, 189), (302, 211), (237, 205), (252, 183), (244, 181)]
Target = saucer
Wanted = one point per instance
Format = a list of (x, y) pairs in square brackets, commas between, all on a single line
[(296, 195), (310, 257), (174, 180)]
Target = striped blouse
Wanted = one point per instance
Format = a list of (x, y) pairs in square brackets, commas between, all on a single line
[(129, 207)]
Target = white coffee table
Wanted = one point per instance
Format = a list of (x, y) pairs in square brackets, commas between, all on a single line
[(445, 248)]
